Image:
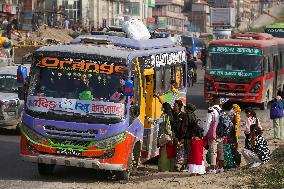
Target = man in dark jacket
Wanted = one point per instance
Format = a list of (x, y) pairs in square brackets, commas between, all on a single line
[(186, 130), (179, 128)]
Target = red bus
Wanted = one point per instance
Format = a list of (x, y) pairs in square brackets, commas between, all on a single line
[(248, 68)]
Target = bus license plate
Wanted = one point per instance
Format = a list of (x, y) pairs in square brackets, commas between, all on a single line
[(68, 152)]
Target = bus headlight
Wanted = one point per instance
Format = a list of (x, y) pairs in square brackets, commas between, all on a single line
[(31, 134), (255, 88), (109, 142)]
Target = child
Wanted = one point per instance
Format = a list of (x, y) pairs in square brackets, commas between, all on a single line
[(196, 163)]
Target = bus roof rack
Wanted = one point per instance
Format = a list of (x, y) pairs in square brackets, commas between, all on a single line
[(252, 36), (127, 42)]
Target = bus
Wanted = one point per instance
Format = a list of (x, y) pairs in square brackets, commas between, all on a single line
[(194, 45), (276, 30), (86, 102), (248, 68)]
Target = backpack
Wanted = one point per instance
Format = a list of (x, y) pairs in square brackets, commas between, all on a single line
[(276, 111), (225, 124)]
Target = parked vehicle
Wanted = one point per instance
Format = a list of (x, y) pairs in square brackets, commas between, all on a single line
[(11, 108), (86, 103), (247, 68), (276, 29)]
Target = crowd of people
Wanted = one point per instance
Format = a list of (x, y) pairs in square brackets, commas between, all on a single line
[(184, 138)]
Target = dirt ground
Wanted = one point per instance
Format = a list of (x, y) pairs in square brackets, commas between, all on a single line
[(234, 178)]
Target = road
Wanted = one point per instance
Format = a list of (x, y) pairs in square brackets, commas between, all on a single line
[(16, 174)]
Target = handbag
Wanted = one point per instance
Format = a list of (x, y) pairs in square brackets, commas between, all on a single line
[(211, 134), (164, 139)]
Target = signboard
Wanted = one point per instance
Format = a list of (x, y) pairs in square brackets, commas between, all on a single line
[(14, 9), (159, 60), (161, 21), (235, 50), (151, 20), (224, 17), (233, 73), (7, 8), (151, 3), (83, 107)]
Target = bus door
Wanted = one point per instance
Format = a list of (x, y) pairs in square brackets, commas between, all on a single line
[(150, 130)]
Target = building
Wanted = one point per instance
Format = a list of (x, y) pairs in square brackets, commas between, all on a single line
[(114, 13), (198, 14), (169, 15), (8, 8)]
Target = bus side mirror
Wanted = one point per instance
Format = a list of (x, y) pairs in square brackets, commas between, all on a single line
[(21, 93), (128, 88), (21, 74)]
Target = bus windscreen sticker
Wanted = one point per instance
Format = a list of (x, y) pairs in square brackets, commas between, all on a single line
[(234, 73), (83, 107), (235, 50)]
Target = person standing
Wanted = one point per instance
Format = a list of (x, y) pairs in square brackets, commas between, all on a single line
[(66, 24), (235, 115), (276, 114), (197, 144), (179, 123), (251, 119), (256, 150), (167, 151), (215, 142), (186, 133)]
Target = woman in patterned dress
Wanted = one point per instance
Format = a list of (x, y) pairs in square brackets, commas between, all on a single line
[(256, 150)]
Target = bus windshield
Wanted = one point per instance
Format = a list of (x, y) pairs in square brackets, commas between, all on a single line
[(240, 62), (78, 92), (8, 83)]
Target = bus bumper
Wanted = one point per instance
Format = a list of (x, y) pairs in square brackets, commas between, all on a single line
[(234, 97), (75, 162), (115, 158)]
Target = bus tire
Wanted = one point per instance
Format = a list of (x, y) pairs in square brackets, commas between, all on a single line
[(125, 174), (45, 169)]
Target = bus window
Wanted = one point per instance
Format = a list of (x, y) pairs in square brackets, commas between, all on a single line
[(269, 64), (265, 64), (167, 78), (181, 73), (159, 80), (281, 60), (173, 73), (135, 100), (184, 75), (178, 76)]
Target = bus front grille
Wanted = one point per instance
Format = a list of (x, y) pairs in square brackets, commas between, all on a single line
[(69, 142), (53, 131)]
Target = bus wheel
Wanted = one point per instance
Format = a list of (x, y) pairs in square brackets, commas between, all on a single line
[(133, 163), (45, 169), (264, 105)]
